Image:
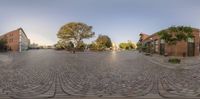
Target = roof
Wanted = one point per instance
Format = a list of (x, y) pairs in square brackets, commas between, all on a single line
[(150, 36), (23, 31), (143, 36), (14, 31)]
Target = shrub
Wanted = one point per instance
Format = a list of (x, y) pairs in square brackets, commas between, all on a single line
[(174, 61)]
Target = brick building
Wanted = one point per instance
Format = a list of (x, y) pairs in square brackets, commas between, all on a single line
[(16, 40), (153, 44)]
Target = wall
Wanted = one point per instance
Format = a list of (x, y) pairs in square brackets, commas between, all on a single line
[(16, 40), (180, 48), (24, 41), (12, 40)]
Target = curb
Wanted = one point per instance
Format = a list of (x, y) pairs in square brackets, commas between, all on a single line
[(172, 65)]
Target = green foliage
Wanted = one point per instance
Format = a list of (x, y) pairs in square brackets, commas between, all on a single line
[(3, 45), (174, 61), (93, 46), (132, 45), (127, 46), (103, 42), (166, 36), (139, 45), (61, 45), (124, 46), (81, 46), (69, 46), (75, 32), (176, 33)]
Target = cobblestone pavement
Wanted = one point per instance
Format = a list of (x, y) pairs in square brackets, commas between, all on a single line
[(59, 74), (186, 62)]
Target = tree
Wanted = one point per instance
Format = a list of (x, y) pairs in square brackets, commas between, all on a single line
[(176, 33), (60, 45), (81, 46), (103, 42), (93, 46), (75, 32), (3, 45), (124, 46), (127, 46), (131, 45)]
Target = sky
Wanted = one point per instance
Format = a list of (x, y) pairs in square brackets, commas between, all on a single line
[(121, 20)]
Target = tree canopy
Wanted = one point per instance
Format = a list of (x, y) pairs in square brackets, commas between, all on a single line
[(127, 46), (104, 41), (176, 33), (101, 43), (75, 32)]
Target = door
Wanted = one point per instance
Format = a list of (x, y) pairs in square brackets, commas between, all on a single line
[(148, 50), (162, 49), (191, 48)]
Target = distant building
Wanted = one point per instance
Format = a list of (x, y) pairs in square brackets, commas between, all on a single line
[(115, 47), (46, 47), (17, 40), (34, 46)]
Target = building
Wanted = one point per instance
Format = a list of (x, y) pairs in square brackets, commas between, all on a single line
[(153, 44), (17, 40), (34, 46), (115, 46)]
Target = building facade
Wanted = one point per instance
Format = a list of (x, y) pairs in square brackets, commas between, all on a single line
[(153, 44), (16, 40)]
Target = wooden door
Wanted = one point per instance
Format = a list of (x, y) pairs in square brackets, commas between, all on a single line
[(162, 49), (191, 48)]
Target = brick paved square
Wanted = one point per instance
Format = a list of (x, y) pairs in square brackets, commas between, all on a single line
[(59, 74)]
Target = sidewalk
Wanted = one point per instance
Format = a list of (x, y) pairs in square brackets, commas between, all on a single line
[(186, 62)]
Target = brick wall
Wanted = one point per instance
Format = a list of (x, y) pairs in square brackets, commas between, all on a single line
[(13, 40), (180, 48), (197, 40)]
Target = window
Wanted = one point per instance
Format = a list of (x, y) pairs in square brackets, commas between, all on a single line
[(191, 40), (162, 41), (11, 40), (11, 34), (156, 46)]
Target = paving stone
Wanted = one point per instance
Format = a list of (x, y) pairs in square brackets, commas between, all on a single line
[(49, 73)]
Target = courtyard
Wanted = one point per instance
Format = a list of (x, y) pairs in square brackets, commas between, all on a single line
[(59, 74)]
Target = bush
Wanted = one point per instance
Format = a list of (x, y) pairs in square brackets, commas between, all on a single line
[(174, 61), (127, 46)]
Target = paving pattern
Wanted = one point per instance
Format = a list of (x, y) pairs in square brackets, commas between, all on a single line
[(54, 74)]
